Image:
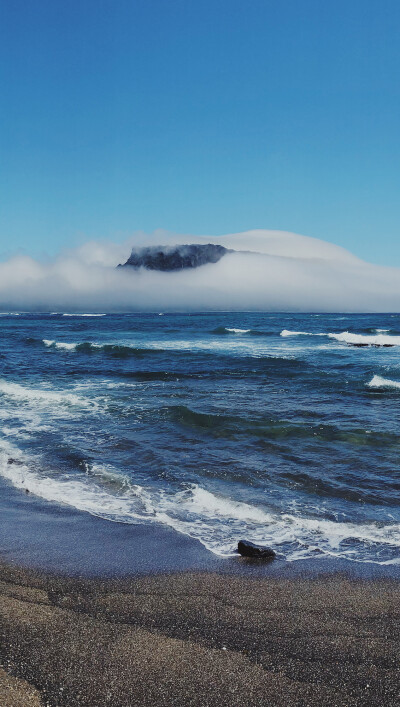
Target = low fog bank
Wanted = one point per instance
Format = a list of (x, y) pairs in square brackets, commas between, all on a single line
[(269, 270)]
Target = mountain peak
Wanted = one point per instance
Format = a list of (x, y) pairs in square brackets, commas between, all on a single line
[(177, 257)]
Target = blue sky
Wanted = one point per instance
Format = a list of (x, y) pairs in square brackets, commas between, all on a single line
[(202, 117)]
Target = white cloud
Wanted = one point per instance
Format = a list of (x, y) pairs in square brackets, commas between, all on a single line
[(286, 272)]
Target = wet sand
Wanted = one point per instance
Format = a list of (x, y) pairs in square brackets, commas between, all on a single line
[(198, 638)]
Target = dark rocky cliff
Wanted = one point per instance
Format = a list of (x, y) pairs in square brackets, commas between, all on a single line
[(179, 257)]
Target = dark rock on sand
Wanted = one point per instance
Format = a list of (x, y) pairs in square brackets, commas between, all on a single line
[(248, 549), (178, 257)]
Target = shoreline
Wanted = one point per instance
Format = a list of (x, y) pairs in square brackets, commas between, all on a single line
[(199, 638), (49, 537)]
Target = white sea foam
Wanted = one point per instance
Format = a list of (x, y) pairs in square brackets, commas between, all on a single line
[(380, 382), (239, 345), (80, 494), (42, 396), (238, 331), (217, 521), (67, 314), (59, 344), (348, 337), (271, 528), (367, 339), (288, 332)]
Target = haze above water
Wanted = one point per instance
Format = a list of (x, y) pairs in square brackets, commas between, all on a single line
[(269, 271)]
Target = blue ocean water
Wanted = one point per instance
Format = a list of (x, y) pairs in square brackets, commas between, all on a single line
[(282, 429)]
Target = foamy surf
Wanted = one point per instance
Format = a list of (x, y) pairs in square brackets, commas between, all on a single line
[(63, 345), (83, 495), (43, 396), (365, 339), (237, 345), (380, 382), (347, 337), (217, 522), (287, 332)]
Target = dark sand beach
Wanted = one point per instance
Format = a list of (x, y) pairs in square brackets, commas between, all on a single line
[(198, 638), (96, 613)]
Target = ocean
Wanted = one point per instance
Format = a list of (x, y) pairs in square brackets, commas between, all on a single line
[(282, 429)]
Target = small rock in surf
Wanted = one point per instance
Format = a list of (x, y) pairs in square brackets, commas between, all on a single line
[(259, 552)]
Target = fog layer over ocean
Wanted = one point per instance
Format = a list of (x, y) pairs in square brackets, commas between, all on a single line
[(281, 429)]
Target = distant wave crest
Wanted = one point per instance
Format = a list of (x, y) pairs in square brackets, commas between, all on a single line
[(117, 350), (380, 382), (234, 330), (348, 337), (288, 332), (365, 340)]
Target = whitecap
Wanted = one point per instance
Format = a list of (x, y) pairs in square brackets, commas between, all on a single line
[(72, 314), (288, 332), (367, 340), (59, 344), (380, 382), (42, 396), (348, 337)]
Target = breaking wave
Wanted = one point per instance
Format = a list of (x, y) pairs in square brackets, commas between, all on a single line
[(218, 522), (230, 330), (59, 345), (365, 340), (288, 332), (347, 337), (233, 330), (380, 382), (238, 347), (42, 396), (116, 350)]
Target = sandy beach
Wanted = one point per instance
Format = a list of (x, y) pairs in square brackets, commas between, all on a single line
[(198, 638)]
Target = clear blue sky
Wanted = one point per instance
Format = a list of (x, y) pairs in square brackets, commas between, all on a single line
[(200, 116)]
